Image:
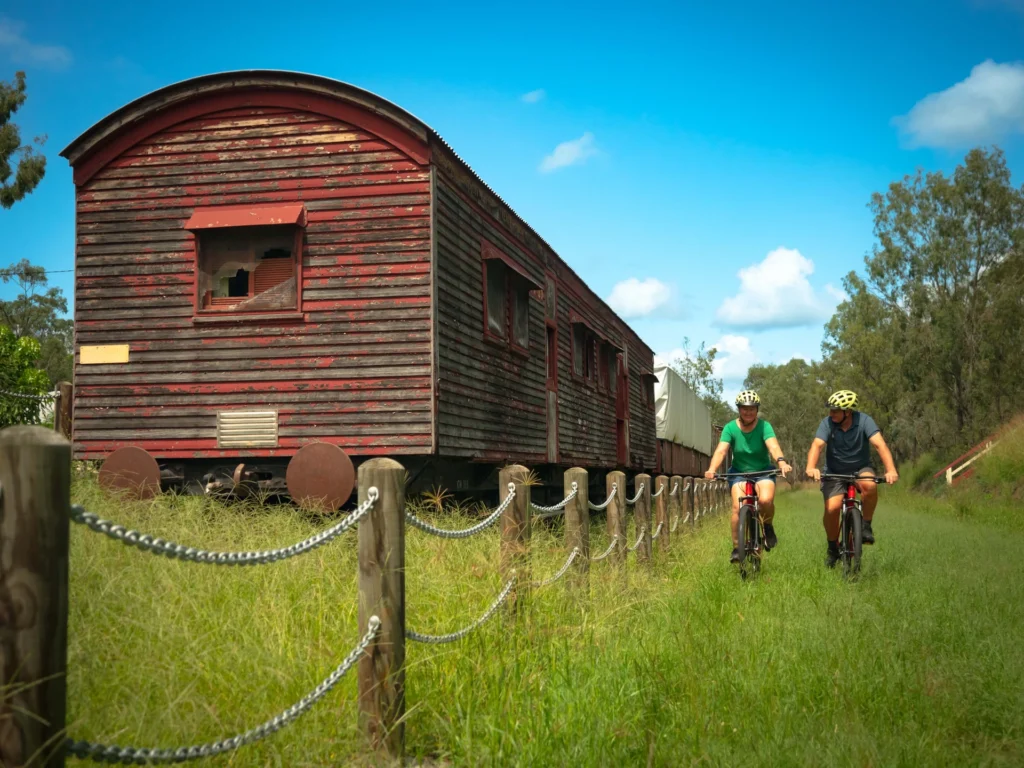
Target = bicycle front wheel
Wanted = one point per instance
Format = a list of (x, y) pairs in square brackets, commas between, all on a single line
[(852, 542), (747, 537)]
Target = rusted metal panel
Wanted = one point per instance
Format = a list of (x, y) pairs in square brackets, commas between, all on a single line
[(240, 216), (352, 367)]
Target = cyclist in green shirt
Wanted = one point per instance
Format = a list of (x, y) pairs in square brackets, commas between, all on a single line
[(754, 448)]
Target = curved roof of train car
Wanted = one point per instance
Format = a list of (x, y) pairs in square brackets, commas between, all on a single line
[(156, 101)]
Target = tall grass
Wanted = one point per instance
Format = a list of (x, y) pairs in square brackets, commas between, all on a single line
[(682, 663)]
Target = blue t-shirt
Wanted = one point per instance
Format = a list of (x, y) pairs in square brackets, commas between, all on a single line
[(847, 452)]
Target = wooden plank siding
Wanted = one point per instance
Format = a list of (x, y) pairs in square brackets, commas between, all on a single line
[(356, 371), (491, 400)]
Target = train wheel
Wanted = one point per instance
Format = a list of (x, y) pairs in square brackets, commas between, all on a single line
[(320, 475)]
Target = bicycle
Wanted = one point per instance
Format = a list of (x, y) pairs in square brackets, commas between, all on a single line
[(750, 531), (851, 522)]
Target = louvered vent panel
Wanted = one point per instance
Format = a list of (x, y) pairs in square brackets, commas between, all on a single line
[(247, 429)]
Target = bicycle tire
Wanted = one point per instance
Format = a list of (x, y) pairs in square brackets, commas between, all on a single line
[(853, 542), (745, 536)]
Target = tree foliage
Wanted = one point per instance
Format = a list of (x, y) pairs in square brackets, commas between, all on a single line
[(31, 166), (37, 312), (19, 374)]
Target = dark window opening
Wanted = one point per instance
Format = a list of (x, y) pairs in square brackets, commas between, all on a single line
[(506, 304), (247, 268)]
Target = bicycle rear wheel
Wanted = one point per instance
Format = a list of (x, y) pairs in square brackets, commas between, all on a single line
[(852, 541)]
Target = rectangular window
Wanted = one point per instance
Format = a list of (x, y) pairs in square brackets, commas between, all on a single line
[(497, 293), (579, 345), (248, 257), (506, 299), (520, 315), (585, 355), (245, 269)]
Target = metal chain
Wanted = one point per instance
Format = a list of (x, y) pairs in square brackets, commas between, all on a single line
[(127, 755), (561, 571), (636, 498), (158, 546), (439, 639), (615, 540), (37, 398), (658, 492), (639, 539), (657, 531), (599, 507), (554, 510), (466, 532)]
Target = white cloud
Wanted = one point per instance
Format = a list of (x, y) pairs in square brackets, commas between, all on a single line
[(534, 96), (639, 298), (570, 153), (986, 107), (777, 294), (22, 51), (734, 358)]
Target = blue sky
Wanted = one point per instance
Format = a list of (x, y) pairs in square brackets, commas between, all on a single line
[(705, 170)]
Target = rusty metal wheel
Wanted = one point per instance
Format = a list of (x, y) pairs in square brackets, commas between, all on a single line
[(131, 470), (320, 475)]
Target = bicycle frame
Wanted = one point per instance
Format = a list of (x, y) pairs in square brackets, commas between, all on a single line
[(849, 555), (749, 498)]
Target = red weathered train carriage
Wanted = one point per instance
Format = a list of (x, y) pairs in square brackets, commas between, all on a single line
[(267, 261)]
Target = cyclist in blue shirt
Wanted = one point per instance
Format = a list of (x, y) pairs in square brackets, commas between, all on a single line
[(848, 435)]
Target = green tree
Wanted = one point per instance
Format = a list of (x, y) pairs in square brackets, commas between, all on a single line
[(697, 370), (37, 312), (19, 375), (939, 239), (32, 165)]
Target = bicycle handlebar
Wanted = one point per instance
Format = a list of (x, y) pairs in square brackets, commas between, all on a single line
[(880, 480), (760, 473)]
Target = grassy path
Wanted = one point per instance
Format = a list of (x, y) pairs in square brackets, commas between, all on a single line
[(918, 664)]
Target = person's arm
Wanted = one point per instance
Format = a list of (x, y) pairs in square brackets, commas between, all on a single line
[(772, 443), (812, 459), (891, 475), (717, 459)]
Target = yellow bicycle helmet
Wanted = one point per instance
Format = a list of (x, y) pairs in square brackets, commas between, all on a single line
[(748, 397), (844, 399)]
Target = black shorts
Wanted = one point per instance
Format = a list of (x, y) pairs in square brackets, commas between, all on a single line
[(832, 488)]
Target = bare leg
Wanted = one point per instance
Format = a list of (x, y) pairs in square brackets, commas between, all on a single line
[(737, 491), (766, 500), (868, 498), (831, 517)]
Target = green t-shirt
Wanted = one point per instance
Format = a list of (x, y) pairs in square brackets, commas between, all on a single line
[(749, 453)]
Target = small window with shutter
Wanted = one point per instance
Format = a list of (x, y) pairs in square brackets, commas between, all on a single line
[(247, 258)]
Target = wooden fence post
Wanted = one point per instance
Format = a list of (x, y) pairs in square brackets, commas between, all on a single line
[(642, 515), (675, 502), (382, 593), (577, 521), (686, 501), (35, 477), (62, 414), (698, 499), (661, 512), (617, 513), (515, 534)]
